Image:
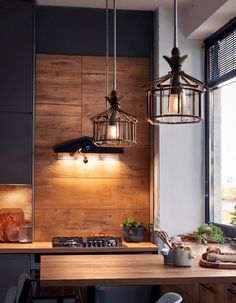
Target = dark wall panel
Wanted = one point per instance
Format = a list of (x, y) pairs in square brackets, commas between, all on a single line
[(82, 31), (16, 148), (16, 56)]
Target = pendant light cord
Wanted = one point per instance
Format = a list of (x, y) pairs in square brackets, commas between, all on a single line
[(114, 59), (107, 50), (175, 24)]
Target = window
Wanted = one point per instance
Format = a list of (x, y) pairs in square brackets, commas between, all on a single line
[(221, 127)]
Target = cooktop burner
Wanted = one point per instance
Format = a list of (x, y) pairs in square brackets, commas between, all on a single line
[(91, 241)]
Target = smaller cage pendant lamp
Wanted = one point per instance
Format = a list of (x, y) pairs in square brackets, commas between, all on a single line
[(113, 126), (175, 98)]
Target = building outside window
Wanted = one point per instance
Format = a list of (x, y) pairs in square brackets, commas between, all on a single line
[(220, 50)]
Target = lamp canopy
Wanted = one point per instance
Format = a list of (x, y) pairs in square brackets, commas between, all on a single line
[(175, 98), (113, 126)]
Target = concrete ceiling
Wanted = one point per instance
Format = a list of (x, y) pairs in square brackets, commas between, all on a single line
[(149, 5), (200, 18)]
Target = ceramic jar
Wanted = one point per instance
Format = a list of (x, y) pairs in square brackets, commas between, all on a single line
[(182, 256)]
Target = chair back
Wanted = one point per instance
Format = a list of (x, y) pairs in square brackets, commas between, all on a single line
[(170, 297), (23, 288), (11, 295)]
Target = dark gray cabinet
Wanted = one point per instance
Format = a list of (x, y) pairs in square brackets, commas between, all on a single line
[(16, 55), (16, 148), (11, 266), (16, 90)]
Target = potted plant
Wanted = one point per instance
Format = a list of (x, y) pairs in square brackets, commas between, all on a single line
[(209, 233), (133, 230), (233, 218)]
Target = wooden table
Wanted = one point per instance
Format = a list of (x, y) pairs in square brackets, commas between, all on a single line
[(136, 269)]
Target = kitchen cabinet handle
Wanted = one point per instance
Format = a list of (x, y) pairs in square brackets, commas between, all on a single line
[(230, 290), (207, 287)]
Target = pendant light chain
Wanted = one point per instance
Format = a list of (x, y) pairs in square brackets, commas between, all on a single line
[(114, 59), (107, 51), (175, 24)]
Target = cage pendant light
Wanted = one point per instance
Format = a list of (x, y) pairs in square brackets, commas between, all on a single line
[(175, 98), (113, 126)]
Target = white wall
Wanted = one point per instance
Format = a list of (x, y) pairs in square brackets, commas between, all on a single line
[(181, 147)]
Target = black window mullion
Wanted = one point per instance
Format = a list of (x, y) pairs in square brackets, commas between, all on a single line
[(220, 66), (221, 55)]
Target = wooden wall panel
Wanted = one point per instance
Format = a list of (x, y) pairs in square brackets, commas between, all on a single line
[(58, 69), (91, 193), (54, 222), (73, 198), (131, 164), (17, 196), (53, 130)]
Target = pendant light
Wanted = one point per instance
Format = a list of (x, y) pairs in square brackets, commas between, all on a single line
[(175, 98), (113, 126)]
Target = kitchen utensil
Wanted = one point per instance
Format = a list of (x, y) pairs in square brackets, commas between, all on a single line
[(164, 237), (10, 219), (213, 257), (223, 265), (168, 255), (182, 256)]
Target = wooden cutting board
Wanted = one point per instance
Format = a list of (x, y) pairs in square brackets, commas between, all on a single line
[(226, 265), (10, 218)]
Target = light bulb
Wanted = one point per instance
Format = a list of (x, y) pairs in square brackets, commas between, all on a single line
[(113, 132), (177, 103)]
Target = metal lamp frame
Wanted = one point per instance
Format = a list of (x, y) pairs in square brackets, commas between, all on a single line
[(187, 91), (122, 123)]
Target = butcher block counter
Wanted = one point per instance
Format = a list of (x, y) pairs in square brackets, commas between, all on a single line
[(128, 269), (46, 248)]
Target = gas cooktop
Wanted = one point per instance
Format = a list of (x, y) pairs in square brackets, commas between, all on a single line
[(91, 241)]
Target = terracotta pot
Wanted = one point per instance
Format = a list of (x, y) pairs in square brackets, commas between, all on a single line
[(133, 234)]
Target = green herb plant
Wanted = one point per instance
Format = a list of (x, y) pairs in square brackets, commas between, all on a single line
[(130, 222), (233, 218), (208, 232)]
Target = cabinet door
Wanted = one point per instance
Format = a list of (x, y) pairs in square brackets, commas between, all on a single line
[(190, 289), (186, 297), (16, 148), (11, 266), (16, 55), (230, 293), (211, 293)]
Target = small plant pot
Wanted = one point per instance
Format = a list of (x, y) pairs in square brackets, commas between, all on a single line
[(133, 234)]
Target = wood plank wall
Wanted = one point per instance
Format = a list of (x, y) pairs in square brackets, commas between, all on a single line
[(17, 196), (73, 198)]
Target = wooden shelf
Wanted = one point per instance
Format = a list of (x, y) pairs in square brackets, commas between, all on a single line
[(46, 247)]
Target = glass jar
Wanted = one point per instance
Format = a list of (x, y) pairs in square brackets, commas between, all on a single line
[(12, 233), (25, 233)]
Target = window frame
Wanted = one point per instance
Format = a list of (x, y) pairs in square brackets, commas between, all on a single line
[(229, 231)]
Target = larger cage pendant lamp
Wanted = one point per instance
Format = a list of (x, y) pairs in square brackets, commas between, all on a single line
[(175, 98), (113, 126)]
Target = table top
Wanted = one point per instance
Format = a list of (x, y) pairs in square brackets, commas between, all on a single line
[(46, 247), (125, 269)]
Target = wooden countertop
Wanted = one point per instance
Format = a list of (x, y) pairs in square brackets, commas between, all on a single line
[(126, 269), (46, 247)]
